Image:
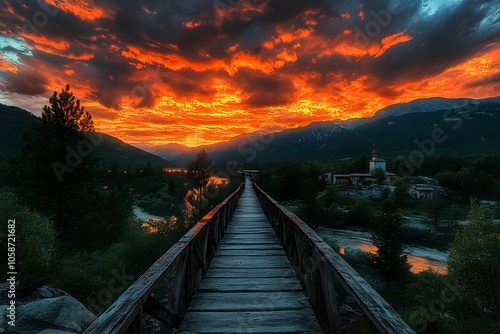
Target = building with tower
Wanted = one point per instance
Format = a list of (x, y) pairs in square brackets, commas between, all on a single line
[(376, 162), (356, 178)]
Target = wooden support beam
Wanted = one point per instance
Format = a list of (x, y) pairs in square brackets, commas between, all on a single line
[(360, 325), (157, 310)]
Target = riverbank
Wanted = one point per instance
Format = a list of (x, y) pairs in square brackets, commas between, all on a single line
[(420, 258)]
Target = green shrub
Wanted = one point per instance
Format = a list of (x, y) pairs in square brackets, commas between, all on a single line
[(35, 242)]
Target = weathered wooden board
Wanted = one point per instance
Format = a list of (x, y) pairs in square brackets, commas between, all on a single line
[(249, 301), (254, 284), (266, 322), (248, 242), (250, 252), (249, 230), (253, 236), (235, 245), (251, 272)]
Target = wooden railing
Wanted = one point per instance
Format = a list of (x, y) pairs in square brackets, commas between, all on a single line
[(185, 264), (318, 266)]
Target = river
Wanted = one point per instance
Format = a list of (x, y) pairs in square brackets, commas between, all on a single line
[(143, 215), (420, 258)]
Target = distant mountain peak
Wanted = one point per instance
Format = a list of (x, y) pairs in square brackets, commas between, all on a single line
[(427, 105)]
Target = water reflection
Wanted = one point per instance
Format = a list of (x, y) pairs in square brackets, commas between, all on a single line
[(420, 258), (156, 224)]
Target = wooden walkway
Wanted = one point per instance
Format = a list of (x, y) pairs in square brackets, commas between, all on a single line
[(250, 286)]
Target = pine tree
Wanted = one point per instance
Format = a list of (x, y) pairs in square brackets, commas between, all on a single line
[(66, 114), (57, 159), (389, 258), (58, 176)]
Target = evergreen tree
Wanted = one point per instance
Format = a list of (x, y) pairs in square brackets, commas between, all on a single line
[(389, 258), (57, 156), (58, 176)]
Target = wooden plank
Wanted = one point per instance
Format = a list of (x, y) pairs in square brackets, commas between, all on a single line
[(256, 229), (246, 237), (249, 301), (250, 262), (251, 273), (250, 252), (265, 322), (250, 246), (248, 242), (251, 284)]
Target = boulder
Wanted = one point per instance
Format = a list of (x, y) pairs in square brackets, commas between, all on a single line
[(60, 314)]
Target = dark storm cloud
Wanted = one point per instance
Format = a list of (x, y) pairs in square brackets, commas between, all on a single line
[(264, 90), (28, 82), (439, 41), (196, 31), (189, 84), (284, 10)]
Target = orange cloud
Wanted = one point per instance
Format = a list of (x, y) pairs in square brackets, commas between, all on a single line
[(350, 48), (285, 36), (86, 10), (393, 40), (192, 25), (238, 61), (7, 66)]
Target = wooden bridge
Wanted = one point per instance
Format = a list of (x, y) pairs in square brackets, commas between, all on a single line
[(250, 266)]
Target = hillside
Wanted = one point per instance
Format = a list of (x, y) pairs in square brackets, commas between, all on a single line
[(469, 127), (14, 122)]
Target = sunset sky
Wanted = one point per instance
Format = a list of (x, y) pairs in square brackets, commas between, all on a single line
[(202, 71)]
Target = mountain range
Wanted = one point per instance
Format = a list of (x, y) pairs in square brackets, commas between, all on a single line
[(465, 126), (469, 126)]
